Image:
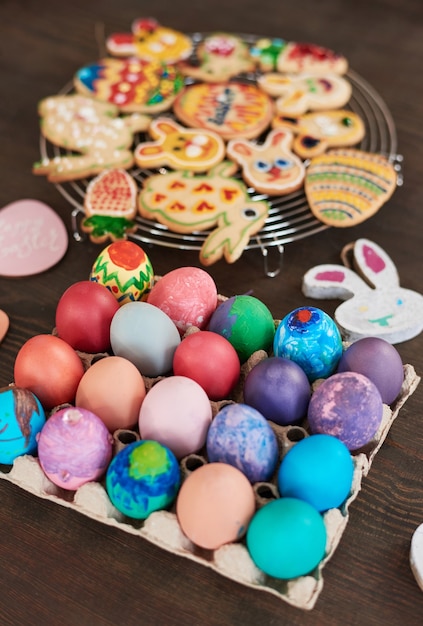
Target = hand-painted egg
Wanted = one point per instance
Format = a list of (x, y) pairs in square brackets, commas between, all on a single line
[(113, 389), (240, 436), (143, 477), (177, 413), (210, 360), (287, 538), (125, 269), (311, 338), (74, 448), (143, 334), (21, 419), (246, 323), (84, 314), (214, 505), (346, 405), (279, 389), (188, 295), (318, 469), (50, 368), (380, 361)]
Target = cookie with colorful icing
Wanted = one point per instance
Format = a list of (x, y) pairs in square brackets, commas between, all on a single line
[(317, 131), (133, 85), (219, 57), (150, 41), (346, 187), (232, 110), (186, 203), (90, 128), (110, 206), (310, 58), (175, 146), (265, 52), (298, 93), (271, 167)]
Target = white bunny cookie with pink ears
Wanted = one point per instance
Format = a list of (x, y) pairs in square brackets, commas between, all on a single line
[(375, 304)]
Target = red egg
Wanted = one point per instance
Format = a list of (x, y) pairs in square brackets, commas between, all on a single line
[(210, 360), (84, 314), (50, 368)]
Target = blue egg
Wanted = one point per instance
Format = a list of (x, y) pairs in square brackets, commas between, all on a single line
[(21, 419), (310, 337), (240, 436), (319, 470)]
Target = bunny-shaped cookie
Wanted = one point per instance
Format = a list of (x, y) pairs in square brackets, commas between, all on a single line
[(375, 305)]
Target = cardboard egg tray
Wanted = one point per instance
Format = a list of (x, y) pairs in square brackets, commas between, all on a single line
[(162, 529)]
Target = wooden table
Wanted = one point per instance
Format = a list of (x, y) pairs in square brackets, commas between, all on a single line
[(59, 567)]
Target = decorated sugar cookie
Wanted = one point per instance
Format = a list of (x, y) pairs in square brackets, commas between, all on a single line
[(110, 206), (221, 56), (179, 147), (319, 130), (271, 167), (346, 187), (232, 110), (186, 203), (297, 94), (91, 128), (150, 41), (375, 304), (133, 85), (309, 58), (265, 52)]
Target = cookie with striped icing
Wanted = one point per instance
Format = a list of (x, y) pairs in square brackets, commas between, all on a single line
[(344, 187)]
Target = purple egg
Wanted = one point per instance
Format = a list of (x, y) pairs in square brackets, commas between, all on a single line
[(279, 389), (377, 359), (348, 406)]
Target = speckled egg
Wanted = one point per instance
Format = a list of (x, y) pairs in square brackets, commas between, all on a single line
[(346, 405), (125, 269), (310, 337), (143, 477), (21, 419)]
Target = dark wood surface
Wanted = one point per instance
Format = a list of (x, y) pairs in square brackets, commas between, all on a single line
[(59, 567)]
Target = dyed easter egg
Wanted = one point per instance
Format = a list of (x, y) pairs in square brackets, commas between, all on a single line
[(210, 360), (188, 295), (311, 338), (240, 436), (21, 419), (346, 405), (287, 538), (143, 477), (125, 269), (380, 361), (214, 505), (246, 323), (74, 448), (143, 334), (279, 389), (177, 413), (318, 469)]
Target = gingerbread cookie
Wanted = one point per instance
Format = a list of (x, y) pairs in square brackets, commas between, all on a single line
[(179, 147), (298, 93), (232, 110), (311, 59), (346, 187), (270, 168), (133, 85), (220, 57), (91, 128), (319, 130), (110, 205), (186, 203), (150, 41)]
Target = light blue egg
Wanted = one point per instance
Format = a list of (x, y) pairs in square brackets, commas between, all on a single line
[(21, 419)]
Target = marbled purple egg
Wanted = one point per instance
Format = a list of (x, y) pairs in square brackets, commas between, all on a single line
[(240, 436), (348, 406)]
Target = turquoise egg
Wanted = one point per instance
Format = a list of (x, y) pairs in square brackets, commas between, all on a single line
[(309, 337), (143, 477), (21, 419), (286, 538)]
